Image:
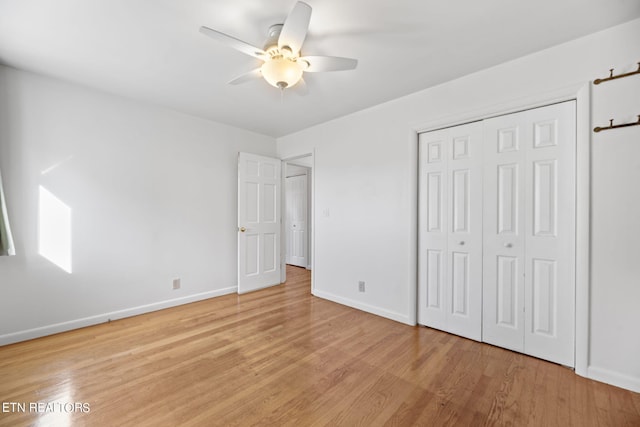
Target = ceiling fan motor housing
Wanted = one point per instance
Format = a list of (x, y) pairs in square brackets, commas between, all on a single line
[(271, 44)]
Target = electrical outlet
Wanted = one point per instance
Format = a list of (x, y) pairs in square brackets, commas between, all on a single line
[(176, 283), (361, 286)]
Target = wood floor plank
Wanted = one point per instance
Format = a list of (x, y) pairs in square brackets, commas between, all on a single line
[(281, 356)]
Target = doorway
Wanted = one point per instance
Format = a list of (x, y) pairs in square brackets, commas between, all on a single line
[(296, 216), (297, 208)]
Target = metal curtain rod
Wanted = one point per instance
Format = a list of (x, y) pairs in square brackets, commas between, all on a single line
[(612, 77), (612, 126)]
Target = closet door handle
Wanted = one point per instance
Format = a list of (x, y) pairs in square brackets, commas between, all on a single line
[(508, 245), (461, 243)]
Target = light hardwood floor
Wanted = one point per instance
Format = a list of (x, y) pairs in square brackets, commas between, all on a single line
[(283, 357)]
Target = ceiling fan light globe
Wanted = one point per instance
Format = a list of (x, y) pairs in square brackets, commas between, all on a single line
[(281, 72)]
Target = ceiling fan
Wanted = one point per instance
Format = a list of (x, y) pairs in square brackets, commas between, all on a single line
[(283, 63)]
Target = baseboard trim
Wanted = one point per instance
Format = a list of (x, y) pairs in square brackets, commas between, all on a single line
[(56, 328), (398, 317), (614, 378)]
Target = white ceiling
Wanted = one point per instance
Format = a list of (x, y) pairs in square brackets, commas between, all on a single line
[(151, 50)]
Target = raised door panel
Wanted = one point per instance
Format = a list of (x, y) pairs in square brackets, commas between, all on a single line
[(460, 201), (434, 284), (252, 202), (545, 200), (435, 195), (270, 253), (508, 286), (252, 254), (460, 285), (544, 307), (507, 199), (269, 203)]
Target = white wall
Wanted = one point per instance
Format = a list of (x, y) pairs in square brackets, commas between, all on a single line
[(152, 195), (615, 268), (366, 191)]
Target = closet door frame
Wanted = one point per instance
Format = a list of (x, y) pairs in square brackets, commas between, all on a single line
[(581, 93)]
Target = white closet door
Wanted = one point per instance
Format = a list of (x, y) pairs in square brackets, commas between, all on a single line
[(550, 234), (433, 225), (464, 248), (450, 290), (529, 232), (503, 284)]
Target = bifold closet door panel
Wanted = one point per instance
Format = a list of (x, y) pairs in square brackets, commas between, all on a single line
[(550, 234), (503, 284), (464, 243), (432, 229), (450, 228)]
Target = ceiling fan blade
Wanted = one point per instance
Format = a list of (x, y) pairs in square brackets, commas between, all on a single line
[(243, 78), (233, 42), (328, 63), (300, 88), (295, 27)]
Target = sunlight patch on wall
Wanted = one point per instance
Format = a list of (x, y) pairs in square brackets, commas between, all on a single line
[(54, 230)]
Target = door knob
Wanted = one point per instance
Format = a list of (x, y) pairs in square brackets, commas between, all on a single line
[(508, 245), (242, 229), (461, 243)]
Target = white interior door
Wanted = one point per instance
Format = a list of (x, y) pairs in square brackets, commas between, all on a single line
[(259, 221), (296, 220), (529, 232), (450, 243)]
